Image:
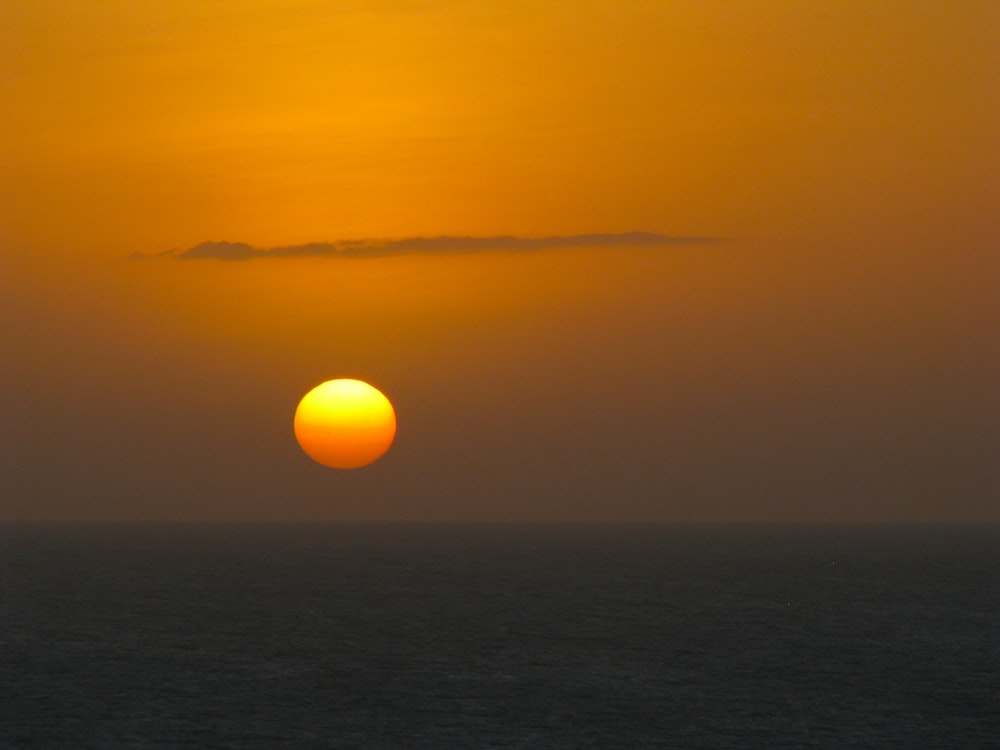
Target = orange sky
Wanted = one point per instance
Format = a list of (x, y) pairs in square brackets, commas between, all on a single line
[(159, 124), (834, 359)]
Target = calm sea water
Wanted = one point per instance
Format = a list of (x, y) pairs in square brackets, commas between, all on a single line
[(348, 636)]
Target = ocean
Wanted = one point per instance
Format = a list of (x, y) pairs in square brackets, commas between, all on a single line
[(479, 636)]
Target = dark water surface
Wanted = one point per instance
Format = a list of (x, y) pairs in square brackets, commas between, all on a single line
[(354, 636)]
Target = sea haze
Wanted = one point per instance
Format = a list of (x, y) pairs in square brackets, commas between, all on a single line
[(384, 636)]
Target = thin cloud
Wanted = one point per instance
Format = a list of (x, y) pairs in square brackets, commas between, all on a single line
[(234, 251)]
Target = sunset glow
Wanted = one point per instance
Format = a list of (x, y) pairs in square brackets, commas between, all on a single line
[(620, 259)]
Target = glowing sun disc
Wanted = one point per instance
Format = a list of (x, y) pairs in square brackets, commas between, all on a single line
[(345, 423)]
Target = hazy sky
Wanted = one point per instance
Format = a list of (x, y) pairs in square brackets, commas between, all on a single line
[(833, 356)]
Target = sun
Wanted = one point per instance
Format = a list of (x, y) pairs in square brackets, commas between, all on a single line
[(345, 423)]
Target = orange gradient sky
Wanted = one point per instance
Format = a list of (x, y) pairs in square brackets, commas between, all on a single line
[(834, 358)]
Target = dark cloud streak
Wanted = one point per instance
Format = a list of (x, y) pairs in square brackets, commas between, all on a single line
[(234, 251)]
